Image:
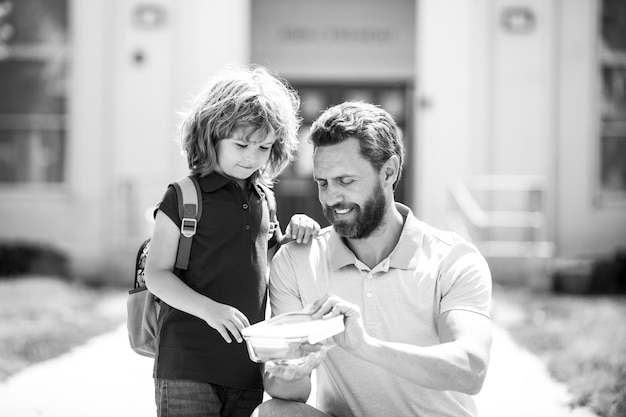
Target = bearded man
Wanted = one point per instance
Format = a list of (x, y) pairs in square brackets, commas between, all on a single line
[(415, 300)]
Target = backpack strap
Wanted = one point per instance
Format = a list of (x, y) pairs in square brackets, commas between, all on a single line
[(271, 201), (189, 210), (270, 197)]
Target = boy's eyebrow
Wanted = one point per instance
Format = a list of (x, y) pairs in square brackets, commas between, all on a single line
[(246, 138), (265, 141)]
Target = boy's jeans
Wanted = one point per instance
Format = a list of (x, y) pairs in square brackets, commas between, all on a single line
[(180, 398)]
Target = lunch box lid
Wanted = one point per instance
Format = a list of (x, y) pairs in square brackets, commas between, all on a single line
[(298, 326)]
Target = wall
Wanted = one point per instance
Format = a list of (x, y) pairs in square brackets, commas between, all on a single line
[(451, 101), (585, 226)]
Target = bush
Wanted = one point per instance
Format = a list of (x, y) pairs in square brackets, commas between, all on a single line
[(30, 258), (605, 275), (610, 275), (580, 337)]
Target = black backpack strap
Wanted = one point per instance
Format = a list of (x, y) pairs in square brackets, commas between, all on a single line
[(190, 210)]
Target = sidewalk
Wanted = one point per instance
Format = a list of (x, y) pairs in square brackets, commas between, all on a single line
[(105, 378)]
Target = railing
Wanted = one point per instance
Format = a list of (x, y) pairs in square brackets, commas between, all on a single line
[(505, 216)]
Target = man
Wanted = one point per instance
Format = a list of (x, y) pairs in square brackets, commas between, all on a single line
[(415, 300)]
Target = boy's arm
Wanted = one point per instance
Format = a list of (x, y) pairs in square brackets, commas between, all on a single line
[(164, 284)]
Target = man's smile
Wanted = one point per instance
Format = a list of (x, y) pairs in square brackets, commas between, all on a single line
[(342, 211)]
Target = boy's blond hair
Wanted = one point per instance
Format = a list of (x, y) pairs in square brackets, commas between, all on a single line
[(242, 97)]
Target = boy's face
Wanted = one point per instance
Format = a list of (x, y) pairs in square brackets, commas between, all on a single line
[(244, 152)]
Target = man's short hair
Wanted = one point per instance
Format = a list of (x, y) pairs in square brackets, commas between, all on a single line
[(374, 128)]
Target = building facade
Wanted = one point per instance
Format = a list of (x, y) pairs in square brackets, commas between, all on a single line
[(521, 104)]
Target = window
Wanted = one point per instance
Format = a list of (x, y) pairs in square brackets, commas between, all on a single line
[(612, 71), (33, 72)]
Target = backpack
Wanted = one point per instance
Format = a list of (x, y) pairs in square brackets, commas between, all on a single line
[(142, 306)]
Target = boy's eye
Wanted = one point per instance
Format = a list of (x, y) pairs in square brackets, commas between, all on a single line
[(265, 148), (241, 145)]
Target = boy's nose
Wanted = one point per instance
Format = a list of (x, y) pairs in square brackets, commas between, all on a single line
[(250, 157)]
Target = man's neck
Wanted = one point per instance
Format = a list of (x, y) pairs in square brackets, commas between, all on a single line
[(379, 245)]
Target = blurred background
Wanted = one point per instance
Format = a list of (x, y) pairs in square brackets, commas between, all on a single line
[(513, 114)]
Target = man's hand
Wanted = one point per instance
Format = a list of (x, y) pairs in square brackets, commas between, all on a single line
[(294, 370), (330, 306)]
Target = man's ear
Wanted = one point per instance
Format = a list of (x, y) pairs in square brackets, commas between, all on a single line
[(390, 169)]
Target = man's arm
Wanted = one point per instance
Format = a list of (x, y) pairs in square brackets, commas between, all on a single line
[(458, 363)]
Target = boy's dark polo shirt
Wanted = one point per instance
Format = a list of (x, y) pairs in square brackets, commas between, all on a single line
[(228, 264)]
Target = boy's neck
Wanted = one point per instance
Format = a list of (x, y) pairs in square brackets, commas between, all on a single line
[(242, 183)]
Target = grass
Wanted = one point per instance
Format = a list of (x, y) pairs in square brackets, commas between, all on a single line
[(41, 318), (581, 338)]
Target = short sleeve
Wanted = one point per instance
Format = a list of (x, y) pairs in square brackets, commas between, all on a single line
[(284, 291), (169, 205), (465, 281)]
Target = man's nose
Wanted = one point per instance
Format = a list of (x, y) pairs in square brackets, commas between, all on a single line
[(332, 196)]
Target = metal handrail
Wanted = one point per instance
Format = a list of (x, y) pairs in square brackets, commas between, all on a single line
[(477, 221)]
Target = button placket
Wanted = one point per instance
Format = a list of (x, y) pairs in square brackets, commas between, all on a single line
[(369, 299)]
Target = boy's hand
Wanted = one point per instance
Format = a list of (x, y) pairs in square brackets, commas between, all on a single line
[(274, 226), (227, 320), (301, 228)]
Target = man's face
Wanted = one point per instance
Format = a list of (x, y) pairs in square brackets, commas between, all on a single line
[(349, 189)]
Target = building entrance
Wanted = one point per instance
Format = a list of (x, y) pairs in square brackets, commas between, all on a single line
[(296, 191)]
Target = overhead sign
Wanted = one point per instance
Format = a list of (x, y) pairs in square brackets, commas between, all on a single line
[(335, 39)]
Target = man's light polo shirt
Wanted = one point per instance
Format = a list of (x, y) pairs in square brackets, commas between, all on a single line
[(428, 273)]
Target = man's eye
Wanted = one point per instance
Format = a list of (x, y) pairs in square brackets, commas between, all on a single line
[(347, 181)]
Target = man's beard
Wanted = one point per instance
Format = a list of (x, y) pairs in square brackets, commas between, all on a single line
[(365, 220)]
